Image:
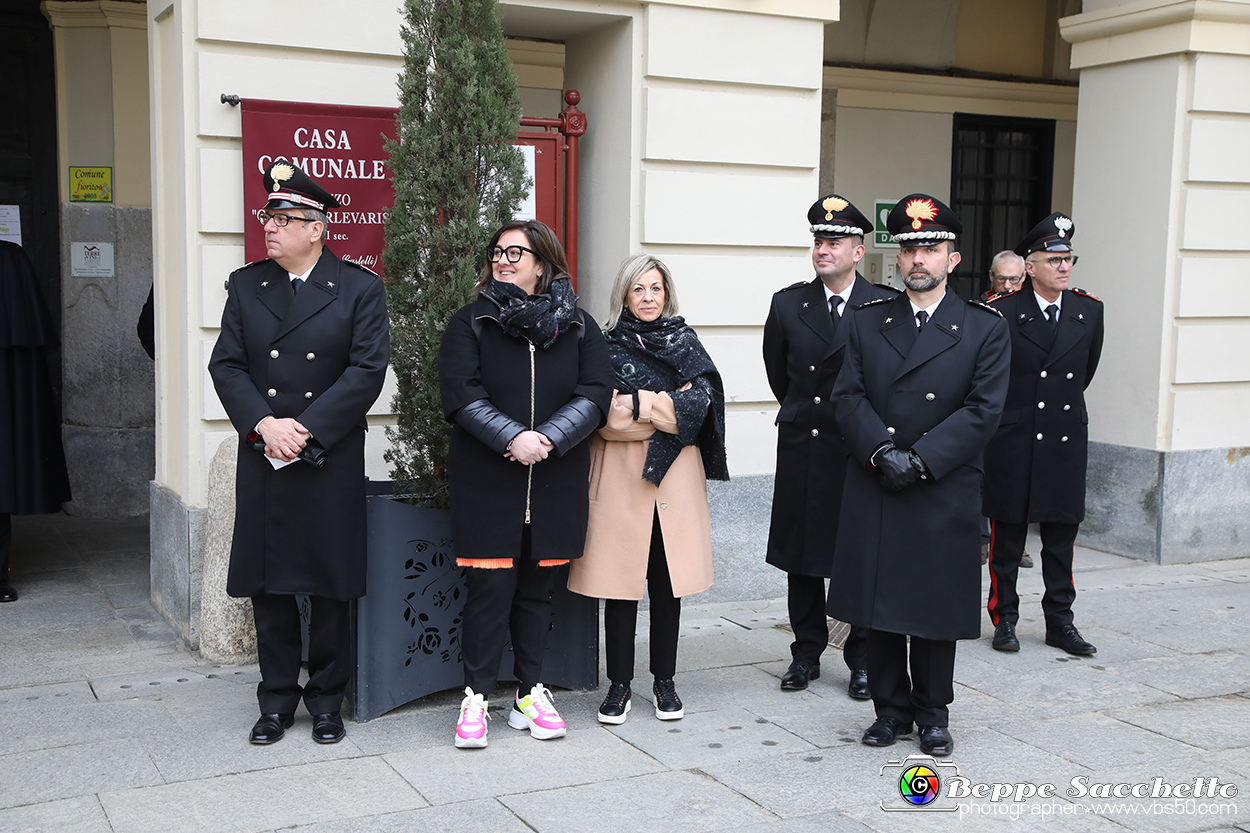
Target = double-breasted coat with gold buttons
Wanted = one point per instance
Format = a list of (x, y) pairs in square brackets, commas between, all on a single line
[(802, 356), (1035, 465), (911, 561), (318, 356)]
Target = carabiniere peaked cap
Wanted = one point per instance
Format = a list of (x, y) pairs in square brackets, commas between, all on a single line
[(289, 187), (1054, 234), (833, 217), (922, 220)]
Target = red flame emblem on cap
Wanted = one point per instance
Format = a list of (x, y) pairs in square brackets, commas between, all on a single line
[(920, 210)]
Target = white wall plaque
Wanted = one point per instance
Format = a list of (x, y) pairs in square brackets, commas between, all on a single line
[(91, 260)]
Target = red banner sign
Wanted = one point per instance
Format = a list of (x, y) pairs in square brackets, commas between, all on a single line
[(341, 147)]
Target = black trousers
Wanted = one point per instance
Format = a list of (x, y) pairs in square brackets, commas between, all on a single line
[(620, 620), (807, 600), (921, 698), (279, 644), (1007, 545), (514, 600)]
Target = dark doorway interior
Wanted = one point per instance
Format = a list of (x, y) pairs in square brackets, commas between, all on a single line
[(1001, 172), (28, 162)]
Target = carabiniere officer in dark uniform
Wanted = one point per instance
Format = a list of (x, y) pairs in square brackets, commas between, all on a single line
[(919, 396), (804, 344), (301, 358), (1035, 465)]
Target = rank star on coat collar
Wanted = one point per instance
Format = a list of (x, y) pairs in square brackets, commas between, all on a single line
[(805, 305), (330, 284), (954, 326), (264, 283), (888, 320)]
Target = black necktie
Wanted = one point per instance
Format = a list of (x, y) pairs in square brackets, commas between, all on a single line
[(922, 318), (1052, 315), (835, 303), (295, 282)]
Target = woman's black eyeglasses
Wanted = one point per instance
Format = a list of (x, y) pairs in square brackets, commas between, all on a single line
[(513, 253)]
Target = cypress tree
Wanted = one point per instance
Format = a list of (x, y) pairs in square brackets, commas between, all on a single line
[(458, 177)]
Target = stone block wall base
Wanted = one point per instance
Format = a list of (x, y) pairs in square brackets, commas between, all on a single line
[(109, 470), (227, 630), (1170, 507), (177, 560)]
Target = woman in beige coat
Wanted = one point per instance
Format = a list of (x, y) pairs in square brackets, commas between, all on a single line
[(649, 528)]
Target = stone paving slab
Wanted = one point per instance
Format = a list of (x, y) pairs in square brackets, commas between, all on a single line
[(707, 738), (723, 688), (1194, 620), (50, 726), (41, 696), (71, 815), (516, 763), (1069, 687), (267, 800), (833, 722), (1214, 723), (832, 822), (714, 650), (1193, 676), (668, 802), (484, 816), (82, 769), (1094, 740)]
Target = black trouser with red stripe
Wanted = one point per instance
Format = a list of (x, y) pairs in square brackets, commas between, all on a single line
[(1006, 547)]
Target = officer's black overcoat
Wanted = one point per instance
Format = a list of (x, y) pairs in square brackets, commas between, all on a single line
[(319, 356), (802, 356), (1035, 465), (910, 563)]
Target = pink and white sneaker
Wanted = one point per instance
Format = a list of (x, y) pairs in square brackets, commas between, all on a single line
[(471, 727), (535, 712)]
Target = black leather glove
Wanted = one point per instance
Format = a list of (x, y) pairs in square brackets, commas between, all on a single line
[(571, 424), (488, 425), (895, 468)]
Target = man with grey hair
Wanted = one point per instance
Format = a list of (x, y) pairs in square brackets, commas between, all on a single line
[(1006, 274)]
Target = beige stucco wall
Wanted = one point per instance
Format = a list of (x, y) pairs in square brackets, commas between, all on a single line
[(1178, 323)]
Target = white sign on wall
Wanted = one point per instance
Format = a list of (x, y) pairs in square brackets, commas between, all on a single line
[(11, 224), (91, 260)]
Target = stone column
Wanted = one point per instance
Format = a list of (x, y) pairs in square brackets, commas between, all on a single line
[(1161, 200)]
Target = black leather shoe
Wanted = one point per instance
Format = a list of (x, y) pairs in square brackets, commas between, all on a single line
[(1069, 639), (799, 674), (7, 592), (936, 740), (858, 688), (616, 705), (885, 731), (1005, 637), (328, 728), (667, 704), (270, 728)]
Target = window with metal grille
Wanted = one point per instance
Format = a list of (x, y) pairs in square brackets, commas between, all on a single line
[(1001, 172)]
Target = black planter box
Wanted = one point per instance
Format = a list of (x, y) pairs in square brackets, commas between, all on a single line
[(408, 626)]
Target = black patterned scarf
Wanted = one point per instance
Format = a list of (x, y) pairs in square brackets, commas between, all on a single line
[(540, 318), (663, 355)]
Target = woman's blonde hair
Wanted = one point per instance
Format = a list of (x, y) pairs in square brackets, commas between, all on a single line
[(631, 270)]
